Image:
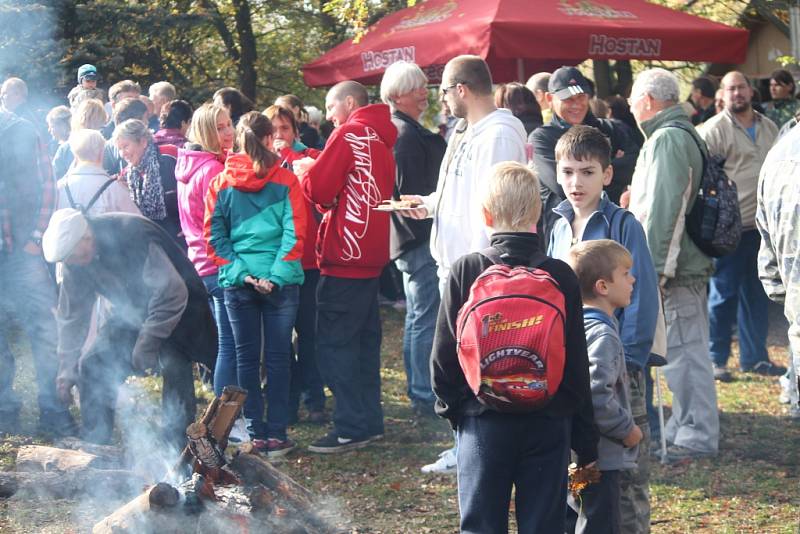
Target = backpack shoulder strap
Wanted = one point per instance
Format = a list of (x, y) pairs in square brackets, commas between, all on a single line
[(681, 126), (71, 200), (616, 224), (97, 194)]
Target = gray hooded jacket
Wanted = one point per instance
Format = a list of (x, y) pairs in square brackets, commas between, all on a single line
[(610, 395)]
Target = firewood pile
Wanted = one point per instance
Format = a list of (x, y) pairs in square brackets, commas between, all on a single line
[(207, 491)]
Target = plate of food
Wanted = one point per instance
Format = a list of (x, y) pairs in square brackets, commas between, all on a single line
[(398, 205)]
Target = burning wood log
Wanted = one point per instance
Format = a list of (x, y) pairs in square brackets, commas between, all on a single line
[(67, 485), (217, 421), (254, 470), (36, 458), (136, 516)]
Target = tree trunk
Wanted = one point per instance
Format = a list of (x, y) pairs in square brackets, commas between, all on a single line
[(248, 77)]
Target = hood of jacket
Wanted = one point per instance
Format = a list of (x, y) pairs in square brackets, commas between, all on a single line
[(169, 136), (594, 317), (670, 114), (379, 118), (500, 116), (190, 161), (240, 175)]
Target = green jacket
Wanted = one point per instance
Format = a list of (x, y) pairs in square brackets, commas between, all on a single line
[(255, 225), (663, 190)]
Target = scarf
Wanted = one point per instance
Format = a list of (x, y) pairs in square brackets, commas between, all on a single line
[(144, 182)]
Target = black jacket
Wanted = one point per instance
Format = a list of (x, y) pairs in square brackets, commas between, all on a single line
[(418, 154), (544, 141), (573, 398), (151, 287)]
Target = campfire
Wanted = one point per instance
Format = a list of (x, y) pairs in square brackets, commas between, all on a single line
[(207, 491)]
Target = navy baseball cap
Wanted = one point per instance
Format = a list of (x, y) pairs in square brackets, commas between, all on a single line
[(567, 82), (87, 71)]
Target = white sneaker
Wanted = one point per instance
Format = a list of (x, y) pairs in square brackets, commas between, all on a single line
[(445, 464), (786, 390), (239, 433)]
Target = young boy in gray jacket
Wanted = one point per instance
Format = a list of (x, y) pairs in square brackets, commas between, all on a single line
[(603, 270)]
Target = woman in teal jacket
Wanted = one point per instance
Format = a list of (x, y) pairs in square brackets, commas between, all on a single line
[(254, 225)]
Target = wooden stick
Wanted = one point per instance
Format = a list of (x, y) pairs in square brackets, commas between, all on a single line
[(67, 485), (37, 458), (136, 517)]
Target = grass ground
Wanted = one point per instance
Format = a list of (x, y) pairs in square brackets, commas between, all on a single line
[(753, 486)]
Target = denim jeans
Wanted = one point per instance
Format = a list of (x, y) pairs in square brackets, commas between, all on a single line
[(349, 353), (306, 380), (225, 369), (249, 311), (736, 296), (498, 451), (29, 297), (420, 283)]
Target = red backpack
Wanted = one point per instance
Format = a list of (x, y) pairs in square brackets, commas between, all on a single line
[(510, 336)]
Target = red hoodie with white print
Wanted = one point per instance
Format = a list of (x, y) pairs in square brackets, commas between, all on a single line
[(354, 174)]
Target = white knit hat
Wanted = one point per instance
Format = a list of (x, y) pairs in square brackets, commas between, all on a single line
[(67, 227)]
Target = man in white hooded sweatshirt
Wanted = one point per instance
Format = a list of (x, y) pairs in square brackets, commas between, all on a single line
[(483, 137)]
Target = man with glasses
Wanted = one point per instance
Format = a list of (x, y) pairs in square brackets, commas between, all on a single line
[(743, 137), (568, 97), (485, 136)]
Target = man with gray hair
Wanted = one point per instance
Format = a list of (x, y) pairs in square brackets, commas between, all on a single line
[(663, 190), (160, 94), (418, 153)]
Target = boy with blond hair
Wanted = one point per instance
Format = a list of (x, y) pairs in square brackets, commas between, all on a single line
[(583, 167), (498, 450), (603, 268)]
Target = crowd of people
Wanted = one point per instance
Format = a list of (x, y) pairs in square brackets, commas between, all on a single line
[(253, 244)]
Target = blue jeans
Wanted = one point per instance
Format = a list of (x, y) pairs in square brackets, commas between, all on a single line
[(498, 451), (349, 353), (29, 297), (249, 311), (736, 296), (420, 283), (306, 378), (225, 369)]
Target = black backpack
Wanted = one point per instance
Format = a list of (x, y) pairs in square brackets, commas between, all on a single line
[(714, 223)]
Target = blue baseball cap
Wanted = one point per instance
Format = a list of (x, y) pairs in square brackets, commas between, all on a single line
[(87, 71)]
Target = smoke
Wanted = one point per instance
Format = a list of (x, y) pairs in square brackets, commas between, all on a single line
[(29, 49)]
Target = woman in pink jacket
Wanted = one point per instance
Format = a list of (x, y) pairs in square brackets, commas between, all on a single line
[(211, 136)]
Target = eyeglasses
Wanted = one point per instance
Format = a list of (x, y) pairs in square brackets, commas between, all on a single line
[(443, 90)]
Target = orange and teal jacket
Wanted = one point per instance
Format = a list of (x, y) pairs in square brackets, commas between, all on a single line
[(255, 226)]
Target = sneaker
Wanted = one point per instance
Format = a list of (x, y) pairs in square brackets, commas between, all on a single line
[(766, 368), (445, 464), (721, 374), (376, 437), (794, 411), (333, 443), (676, 454), (239, 433), (277, 448), (259, 445), (785, 396)]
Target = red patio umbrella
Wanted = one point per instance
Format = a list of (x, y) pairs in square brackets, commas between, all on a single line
[(519, 37)]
